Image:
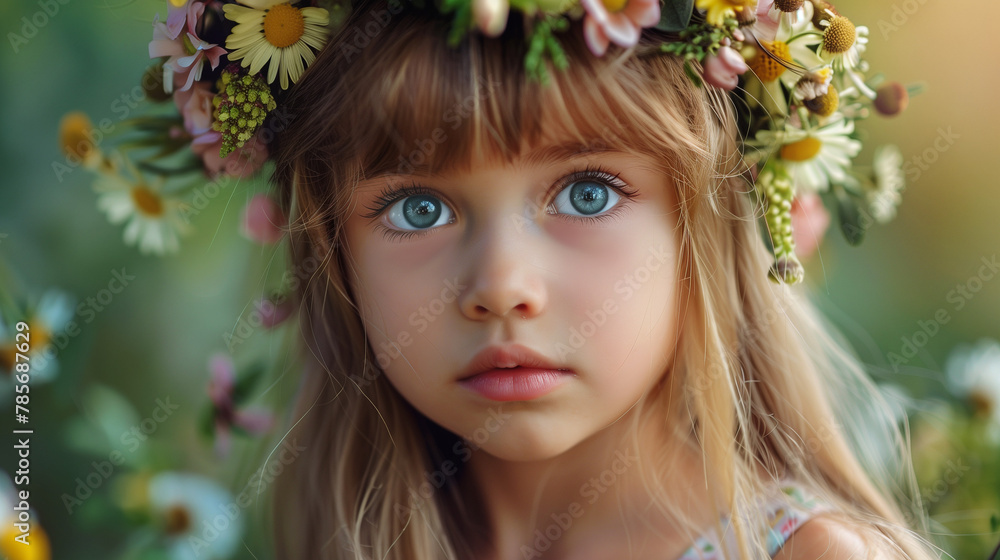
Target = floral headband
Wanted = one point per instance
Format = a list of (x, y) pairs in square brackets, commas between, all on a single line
[(794, 65)]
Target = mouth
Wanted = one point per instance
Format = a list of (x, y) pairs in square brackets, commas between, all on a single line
[(513, 373)]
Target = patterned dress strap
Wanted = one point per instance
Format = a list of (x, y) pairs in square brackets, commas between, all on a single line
[(781, 513)]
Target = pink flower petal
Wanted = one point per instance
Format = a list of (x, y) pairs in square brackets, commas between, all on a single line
[(263, 220), (273, 314), (223, 439), (256, 422), (220, 385), (621, 30), (645, 13), (810, 220), (597, 41)]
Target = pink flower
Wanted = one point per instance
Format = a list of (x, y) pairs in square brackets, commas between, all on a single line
[(195, 105), (766, 28), (263, 220), (221, 387), (273, 311), (723, 70), (177, 40), (242, 162), (622, 27), (810, 220)]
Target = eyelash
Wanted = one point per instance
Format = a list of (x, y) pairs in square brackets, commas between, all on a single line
[(392, 194)]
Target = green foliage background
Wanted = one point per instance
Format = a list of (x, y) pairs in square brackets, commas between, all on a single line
[(152, 341)]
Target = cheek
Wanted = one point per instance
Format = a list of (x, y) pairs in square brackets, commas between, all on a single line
[(623, 309)]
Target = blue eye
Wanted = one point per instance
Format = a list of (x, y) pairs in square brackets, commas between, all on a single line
[(585, 198), (419, 212)]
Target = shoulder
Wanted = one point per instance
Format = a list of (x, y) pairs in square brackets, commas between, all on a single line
[(828, 538)]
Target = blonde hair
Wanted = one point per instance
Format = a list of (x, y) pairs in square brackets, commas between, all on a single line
[(756, 369)]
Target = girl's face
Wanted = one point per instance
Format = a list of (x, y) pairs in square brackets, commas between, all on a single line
[(572, 255)]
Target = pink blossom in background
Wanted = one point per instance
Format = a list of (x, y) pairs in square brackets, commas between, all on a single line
[(220, 390), (263, 220), (601, 27), (195, 105), (810, 220), (273, 312)]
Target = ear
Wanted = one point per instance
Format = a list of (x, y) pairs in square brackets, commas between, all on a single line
[(825, 538)]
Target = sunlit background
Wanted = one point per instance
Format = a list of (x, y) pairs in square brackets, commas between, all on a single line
[(119, 422)]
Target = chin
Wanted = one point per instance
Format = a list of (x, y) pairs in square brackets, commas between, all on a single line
[(529, 443)]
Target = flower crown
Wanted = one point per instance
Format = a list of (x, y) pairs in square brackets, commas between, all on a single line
[(794, 65)]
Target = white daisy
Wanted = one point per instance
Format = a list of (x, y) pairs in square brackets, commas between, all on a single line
[(49, 317), (815, 157), (973, 373), (275, 33), (889, 182), (154, 219), (184, 505)]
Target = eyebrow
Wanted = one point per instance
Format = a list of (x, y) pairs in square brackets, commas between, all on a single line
[(547, 155)]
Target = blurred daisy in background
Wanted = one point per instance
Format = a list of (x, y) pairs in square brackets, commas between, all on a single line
[(154, 218), (972, 373), (889, 182)]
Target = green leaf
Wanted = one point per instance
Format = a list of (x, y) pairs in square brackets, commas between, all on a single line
[(246, 382), (851, 220), (675, 15), (206, 421)]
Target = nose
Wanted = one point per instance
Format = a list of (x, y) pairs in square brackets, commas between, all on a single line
[(506, 279)]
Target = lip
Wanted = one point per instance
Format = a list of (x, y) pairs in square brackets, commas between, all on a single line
[(512, 373)]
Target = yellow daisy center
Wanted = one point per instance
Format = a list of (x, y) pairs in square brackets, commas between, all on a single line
[(839, 36), (766, 67), (824, 105), (982, 404), (178, 520), (74, 135), (614, 5), (178, 3), (148, 202), (803, 150), (7, 357), (283, 25), (40, 337), (788, 5)]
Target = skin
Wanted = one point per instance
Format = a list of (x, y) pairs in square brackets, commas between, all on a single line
[(526, 275)]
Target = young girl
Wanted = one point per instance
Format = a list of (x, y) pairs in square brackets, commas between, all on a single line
[(543, 326)]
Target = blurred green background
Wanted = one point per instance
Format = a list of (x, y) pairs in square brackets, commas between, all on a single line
[(153, 340)]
